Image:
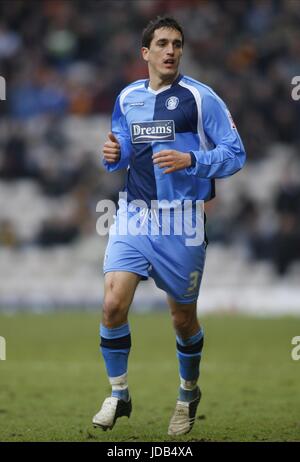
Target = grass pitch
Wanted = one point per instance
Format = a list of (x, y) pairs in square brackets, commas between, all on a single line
[(53, 380)]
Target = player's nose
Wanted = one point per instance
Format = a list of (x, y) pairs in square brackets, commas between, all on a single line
[(170, 50)]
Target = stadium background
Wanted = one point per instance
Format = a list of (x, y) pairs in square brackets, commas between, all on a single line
[(64, 63)]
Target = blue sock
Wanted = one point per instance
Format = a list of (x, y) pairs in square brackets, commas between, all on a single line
[(189, 355), (115, 346)]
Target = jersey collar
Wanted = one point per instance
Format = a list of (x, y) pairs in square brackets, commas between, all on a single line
[(156, 92)]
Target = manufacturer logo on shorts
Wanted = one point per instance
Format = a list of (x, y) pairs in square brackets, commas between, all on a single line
[(157, 130), (172, 103)]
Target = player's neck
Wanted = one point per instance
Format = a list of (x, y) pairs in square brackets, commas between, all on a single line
[(156, 82)]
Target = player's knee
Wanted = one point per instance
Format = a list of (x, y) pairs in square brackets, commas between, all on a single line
[(182, 327), (183, 322), (114, 310)]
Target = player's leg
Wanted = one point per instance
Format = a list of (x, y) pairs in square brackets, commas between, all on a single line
[(119, 289), (189, 343), (115, 343)]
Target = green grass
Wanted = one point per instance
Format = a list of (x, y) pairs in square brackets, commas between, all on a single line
[(54, 381)]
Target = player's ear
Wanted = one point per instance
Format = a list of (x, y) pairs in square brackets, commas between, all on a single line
[(145, 53)]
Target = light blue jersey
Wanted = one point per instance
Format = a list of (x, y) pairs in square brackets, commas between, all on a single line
[(187, 116)]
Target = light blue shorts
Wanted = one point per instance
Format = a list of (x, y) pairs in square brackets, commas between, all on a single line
[(176, 267)]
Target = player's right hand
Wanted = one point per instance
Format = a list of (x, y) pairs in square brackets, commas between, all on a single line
[(111, 149)]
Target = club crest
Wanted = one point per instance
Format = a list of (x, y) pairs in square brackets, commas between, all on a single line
[(172, 103)]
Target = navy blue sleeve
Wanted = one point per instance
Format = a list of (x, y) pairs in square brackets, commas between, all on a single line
[(228, 154)]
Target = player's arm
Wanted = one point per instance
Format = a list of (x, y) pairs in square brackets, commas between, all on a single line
[(226, 158), (117, 148), (172, 160), (228, 155)]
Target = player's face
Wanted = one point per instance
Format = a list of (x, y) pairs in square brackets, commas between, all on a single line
[(164, 54)]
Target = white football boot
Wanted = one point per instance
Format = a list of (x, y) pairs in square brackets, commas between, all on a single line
[(112, 408), (183, 419)]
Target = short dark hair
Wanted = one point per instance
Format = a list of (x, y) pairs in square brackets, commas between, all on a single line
[(158, 23)]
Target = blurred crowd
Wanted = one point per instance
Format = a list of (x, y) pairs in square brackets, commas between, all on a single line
[(67, 58)]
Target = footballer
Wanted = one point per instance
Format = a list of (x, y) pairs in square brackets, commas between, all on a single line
[(175, 136)]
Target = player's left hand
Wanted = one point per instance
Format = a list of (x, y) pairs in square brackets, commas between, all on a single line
[(174, 160)]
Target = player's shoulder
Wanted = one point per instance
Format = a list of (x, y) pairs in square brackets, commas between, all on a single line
[(137, 84), (203, 89)]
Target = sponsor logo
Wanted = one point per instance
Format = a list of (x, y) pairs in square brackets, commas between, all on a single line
[(172, 103), (138, 103), (156, 130)]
